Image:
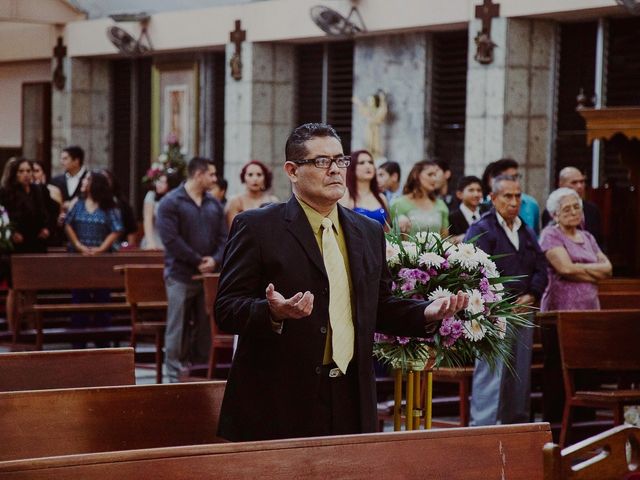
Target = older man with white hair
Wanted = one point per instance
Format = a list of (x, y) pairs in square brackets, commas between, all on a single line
[(571, 177)]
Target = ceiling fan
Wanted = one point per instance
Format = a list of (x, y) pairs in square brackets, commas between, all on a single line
[(335, 24), (124, 41)]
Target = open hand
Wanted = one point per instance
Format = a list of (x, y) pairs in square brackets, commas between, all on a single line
[(298, 306), (445, 307)]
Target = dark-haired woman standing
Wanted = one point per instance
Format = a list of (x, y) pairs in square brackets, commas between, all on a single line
[(363, 195), (93, 225), (28, 214)]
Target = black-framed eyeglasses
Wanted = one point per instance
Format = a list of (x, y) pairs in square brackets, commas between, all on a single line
[(342, 161)]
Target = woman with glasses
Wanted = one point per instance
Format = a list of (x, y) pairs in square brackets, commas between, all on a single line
[(419, 209), (576, 263), (257, 178), (363, 194)]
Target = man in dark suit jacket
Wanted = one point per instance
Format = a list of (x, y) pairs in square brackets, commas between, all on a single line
[(72, 159), (274, 293), (501, 395)]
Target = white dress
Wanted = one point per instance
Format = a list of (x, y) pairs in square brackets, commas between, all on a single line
[(150, 197)]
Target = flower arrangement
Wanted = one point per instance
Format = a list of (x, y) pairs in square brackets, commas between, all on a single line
[(5, 231), (171, 160), (427, 267)]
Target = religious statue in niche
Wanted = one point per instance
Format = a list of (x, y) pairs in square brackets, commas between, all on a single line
[(484, 45), (484, 48), (374, 110)]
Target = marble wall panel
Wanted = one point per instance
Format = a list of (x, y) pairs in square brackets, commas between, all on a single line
[(397, 64)]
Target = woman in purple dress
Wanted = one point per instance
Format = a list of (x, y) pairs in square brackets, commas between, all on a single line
[(576, 263)]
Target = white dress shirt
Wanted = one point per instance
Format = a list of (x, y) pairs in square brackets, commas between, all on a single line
[(512, 233), (469, 214), (74, 180)]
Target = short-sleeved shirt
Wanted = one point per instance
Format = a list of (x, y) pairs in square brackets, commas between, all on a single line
[(92, 228), (434, 220), (563, 294)]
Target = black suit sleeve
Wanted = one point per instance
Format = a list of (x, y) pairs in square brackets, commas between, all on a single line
[(241, 307)]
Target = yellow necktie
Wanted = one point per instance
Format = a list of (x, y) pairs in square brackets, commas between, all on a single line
[(342, 339)]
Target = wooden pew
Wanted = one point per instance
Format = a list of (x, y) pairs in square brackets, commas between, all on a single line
[(602, 457), (619, 293), (66, 369), (43, 423), (553, 383), (219, 340), (507, 451), (144, 289), (67, 271)]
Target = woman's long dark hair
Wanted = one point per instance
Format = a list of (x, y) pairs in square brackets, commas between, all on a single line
[(173, 181), (100, 190), (352, 180), (413, 185), (12, 189)]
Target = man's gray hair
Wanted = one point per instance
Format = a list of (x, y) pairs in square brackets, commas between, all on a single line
[(497, 181), (555, 198)]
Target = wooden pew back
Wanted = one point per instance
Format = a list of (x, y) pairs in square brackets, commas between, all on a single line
[(144, 283), (618, 285), (602, 457), (66, 369), (507, 451), (70, 421), (604, 340), (64, 271)]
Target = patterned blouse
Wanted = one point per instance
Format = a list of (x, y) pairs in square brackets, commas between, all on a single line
[(93, 227)]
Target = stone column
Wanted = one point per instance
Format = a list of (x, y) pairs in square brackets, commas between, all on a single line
[(259, 112), (396, 64), (81, 112), (510, 101)]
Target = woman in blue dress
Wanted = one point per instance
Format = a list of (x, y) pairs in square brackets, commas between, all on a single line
[(93, 226), (363, 195)]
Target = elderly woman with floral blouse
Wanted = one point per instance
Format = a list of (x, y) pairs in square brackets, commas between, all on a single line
[(576, 263)]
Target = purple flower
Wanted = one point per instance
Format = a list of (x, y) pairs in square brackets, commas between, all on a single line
[(417, 296), (484, 285), (394, 286), (449, 341), (403, 340), (445, 329), (382, 338), (405, 273), (445, 265), (432, 272), (408, 285), (464, 276)]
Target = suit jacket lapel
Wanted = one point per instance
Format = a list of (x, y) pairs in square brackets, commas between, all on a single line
[(298, 225)]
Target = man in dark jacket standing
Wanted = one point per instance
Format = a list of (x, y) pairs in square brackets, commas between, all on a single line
[(305, 284), (193, 231), (501, 396)]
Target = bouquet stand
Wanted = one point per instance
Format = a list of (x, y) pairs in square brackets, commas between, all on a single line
[(411, 376)]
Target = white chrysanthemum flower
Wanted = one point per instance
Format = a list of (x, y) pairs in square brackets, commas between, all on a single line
[(473, 330), (476, 305), (163, 157), (439, 293), (392, 250), (421, 237), (464, 254), (411, 249), (501, 327), (497, 287), (430, 259), (491, 269), (7, 234)]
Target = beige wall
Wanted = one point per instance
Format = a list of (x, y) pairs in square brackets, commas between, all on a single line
[(12, 76), (289, 20)]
